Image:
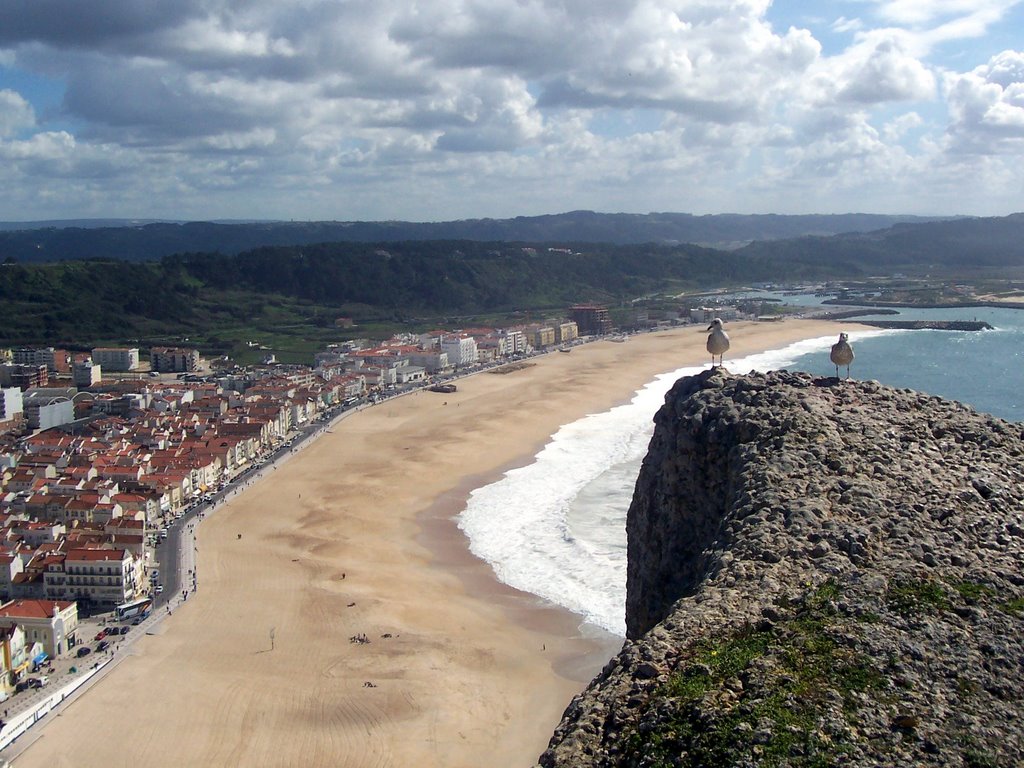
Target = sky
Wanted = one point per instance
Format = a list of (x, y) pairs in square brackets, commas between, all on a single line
[(433, 110)]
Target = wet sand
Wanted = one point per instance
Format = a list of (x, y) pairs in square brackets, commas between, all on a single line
[(353, 536)]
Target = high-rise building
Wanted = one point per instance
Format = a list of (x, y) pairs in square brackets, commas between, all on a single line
[(591, 319)]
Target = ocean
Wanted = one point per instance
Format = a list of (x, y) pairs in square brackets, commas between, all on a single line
[(556, 527)]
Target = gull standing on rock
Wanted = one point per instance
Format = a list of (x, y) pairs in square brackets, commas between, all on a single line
[(718, 341), (842, 354)]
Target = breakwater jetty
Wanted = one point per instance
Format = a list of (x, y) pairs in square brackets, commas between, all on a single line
[(935, 325)]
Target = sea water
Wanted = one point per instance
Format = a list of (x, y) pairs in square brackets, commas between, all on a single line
[(556, 527)]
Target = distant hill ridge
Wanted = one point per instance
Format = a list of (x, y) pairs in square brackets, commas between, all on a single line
[(147, 240)]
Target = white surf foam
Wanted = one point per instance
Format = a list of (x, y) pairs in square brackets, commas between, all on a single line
[(556, 528)]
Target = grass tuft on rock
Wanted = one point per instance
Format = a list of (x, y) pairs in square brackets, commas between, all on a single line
[(757, 695), (914, 597)]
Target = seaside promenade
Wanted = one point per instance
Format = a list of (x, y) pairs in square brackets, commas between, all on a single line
[(348, 624)]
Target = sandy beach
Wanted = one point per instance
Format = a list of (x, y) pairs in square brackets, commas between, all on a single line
[(353, 536)]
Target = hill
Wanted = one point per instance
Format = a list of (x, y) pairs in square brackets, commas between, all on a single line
[(133, 241), (958, 244), (219, 300)]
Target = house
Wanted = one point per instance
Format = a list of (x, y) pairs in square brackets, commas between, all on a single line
[(14, 653), (51, 623), (10, 566)]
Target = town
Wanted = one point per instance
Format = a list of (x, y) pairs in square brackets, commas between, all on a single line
[(102, 454)]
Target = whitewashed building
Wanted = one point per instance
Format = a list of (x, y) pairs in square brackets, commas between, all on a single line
[(116, 358), (461, 350)]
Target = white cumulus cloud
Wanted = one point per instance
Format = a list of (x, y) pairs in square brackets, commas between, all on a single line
[(453, 108), (987, 106), (16, 114)]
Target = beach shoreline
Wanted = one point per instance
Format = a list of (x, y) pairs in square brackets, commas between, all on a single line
[(355, 537)]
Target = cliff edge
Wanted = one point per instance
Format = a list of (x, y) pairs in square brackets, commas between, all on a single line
[(821, 573)]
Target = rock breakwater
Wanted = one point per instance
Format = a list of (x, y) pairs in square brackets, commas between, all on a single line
[(821, 572)]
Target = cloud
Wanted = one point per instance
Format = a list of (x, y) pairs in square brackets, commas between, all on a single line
[(843, 24), (922, 13), (880, 68), (987, 107), (312, 108), (68, 23), (16, 114)]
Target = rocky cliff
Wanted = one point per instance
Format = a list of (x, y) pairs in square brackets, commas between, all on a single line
[(821, 573)]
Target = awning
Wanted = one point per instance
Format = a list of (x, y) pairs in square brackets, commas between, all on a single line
[(40, 658)]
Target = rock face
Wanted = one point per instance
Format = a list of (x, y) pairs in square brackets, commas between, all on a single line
[(821, 572)]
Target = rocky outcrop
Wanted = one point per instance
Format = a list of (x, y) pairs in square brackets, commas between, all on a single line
[(821, 572)]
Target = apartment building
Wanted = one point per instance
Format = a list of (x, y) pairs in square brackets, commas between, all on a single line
[(55, 360), (566, 332), (116, 358), (173, 359), (11, 403), (23, 376), (432, 360), (542, 337), (86, 373), (515, 342), (461, 349), (105, 576)]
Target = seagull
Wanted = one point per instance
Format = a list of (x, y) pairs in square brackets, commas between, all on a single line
[(718, 341), (841, 354)]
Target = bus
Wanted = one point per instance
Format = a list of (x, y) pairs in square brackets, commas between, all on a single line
[(134, 608)]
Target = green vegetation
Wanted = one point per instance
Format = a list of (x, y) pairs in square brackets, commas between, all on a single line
[(288, 298), (972, 592), (1013, 607), (974, 758), (768, 686), (156, 240), (796, 691), (912, 597)]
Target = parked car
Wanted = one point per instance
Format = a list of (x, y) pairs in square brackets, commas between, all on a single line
[(136, 621), (101, 634), (84, 651), (21, 686), (102, 646), (124, 629)]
